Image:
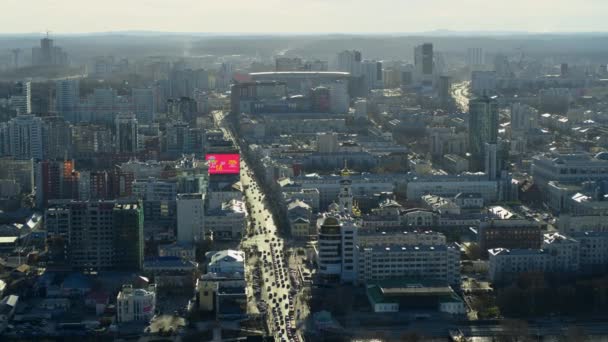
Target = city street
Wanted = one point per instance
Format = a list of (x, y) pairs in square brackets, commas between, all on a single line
[(269, 245), (460, 92)]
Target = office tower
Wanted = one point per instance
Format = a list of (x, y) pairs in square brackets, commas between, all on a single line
[(361, 109), (349, 61), (144, 105), (483, 128), (55, 180), (190, 217), (56, 137), (38, 97), (372, 74), (128, 245), (67, 96), (444, 90), (483, 82), (48, 54), (564, 70), (24, 137), (338, 97), (491, 161), (523, 118), (126, 134), (345, 197), (103, 103), (89, 139), (474, 57), (183, 109), (224, 76), (423, 64), (100, 235), (502, 66), (288, 64)]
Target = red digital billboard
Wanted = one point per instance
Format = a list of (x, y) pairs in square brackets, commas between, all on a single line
[(221, 164)]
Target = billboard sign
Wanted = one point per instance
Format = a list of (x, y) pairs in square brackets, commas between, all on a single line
[(223, 164)]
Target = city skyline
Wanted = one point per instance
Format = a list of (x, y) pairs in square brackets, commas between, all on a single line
[(317, 16)]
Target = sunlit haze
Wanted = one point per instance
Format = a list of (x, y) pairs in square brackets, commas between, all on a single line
[(289, 16)]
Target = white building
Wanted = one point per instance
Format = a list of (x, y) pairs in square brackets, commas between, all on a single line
[(569, 168), (226, 262), (227, 222), (336, 247), (153, 189), (135, 304), (437, 262), (23, 137), (190, 218), (452, 185)]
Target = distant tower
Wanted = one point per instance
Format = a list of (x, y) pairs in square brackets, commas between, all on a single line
[(345, 197), (483, 129), (16, 53)]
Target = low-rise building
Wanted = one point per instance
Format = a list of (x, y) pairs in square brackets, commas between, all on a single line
[(502, 228), (226, 262), (227, 222), (225, 295), (412, 294), (135, 304), (185, 251), (425, 262)]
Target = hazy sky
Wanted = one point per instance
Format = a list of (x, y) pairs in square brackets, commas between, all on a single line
[(73, 16)]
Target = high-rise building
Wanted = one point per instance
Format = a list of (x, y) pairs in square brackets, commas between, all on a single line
[(444, 89), (48, 54), (483, 128), (55, 180), (483, 82), (144, 105), (372, 74), (564, 70), (349, 61), (338, 97), (126, 134), (474, 57), (56, 138), (67, 96), (423, 64), (190, 217), (523, 118), (23, 137), (184, 109), (38, 97), (100, 235)]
